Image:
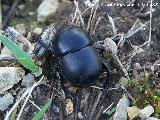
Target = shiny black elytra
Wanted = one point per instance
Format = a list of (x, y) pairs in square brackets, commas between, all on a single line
[(78, 62)]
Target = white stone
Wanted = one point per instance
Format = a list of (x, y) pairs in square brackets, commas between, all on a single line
[(37, 31), (9, 76), (31, 13), (21, 7), (5, 101), (46, 9), (146, 112), (28, 80)]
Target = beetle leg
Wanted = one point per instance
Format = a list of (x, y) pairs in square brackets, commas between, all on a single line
[(73, 96), (98, 46), (109, 78)]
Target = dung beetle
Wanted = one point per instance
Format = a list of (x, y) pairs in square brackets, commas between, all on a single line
[(76, 59), (78, 62)]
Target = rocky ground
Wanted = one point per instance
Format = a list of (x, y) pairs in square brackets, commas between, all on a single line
[(127, 30)]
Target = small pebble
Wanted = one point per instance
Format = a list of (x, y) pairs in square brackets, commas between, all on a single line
[(69, 106), (133, 112), (137, 66), (138, 50), (31, 13), (123, 82), (37, 31), (80, 116), (46, 9), (21, 28), (28, 80), (21, 7), (5, 101)]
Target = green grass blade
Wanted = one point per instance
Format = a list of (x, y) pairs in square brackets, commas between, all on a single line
[(39, 115), (23, 58), (13, 115)]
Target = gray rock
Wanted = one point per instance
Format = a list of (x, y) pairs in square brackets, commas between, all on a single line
[(6, 51), (46, 9), (121, 109), (10, 76), (5, 101), (28, 80)]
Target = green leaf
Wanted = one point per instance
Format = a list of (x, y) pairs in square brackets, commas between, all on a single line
[(39, 115), (23, 58)]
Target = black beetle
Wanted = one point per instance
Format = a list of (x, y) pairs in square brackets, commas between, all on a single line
[(78, 62)]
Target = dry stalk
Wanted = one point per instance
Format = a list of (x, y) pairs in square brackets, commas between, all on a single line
[(79, 13), (122, 67), (150, 26), (27, 92), (90, 18), (96, 24), (95, 105)]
